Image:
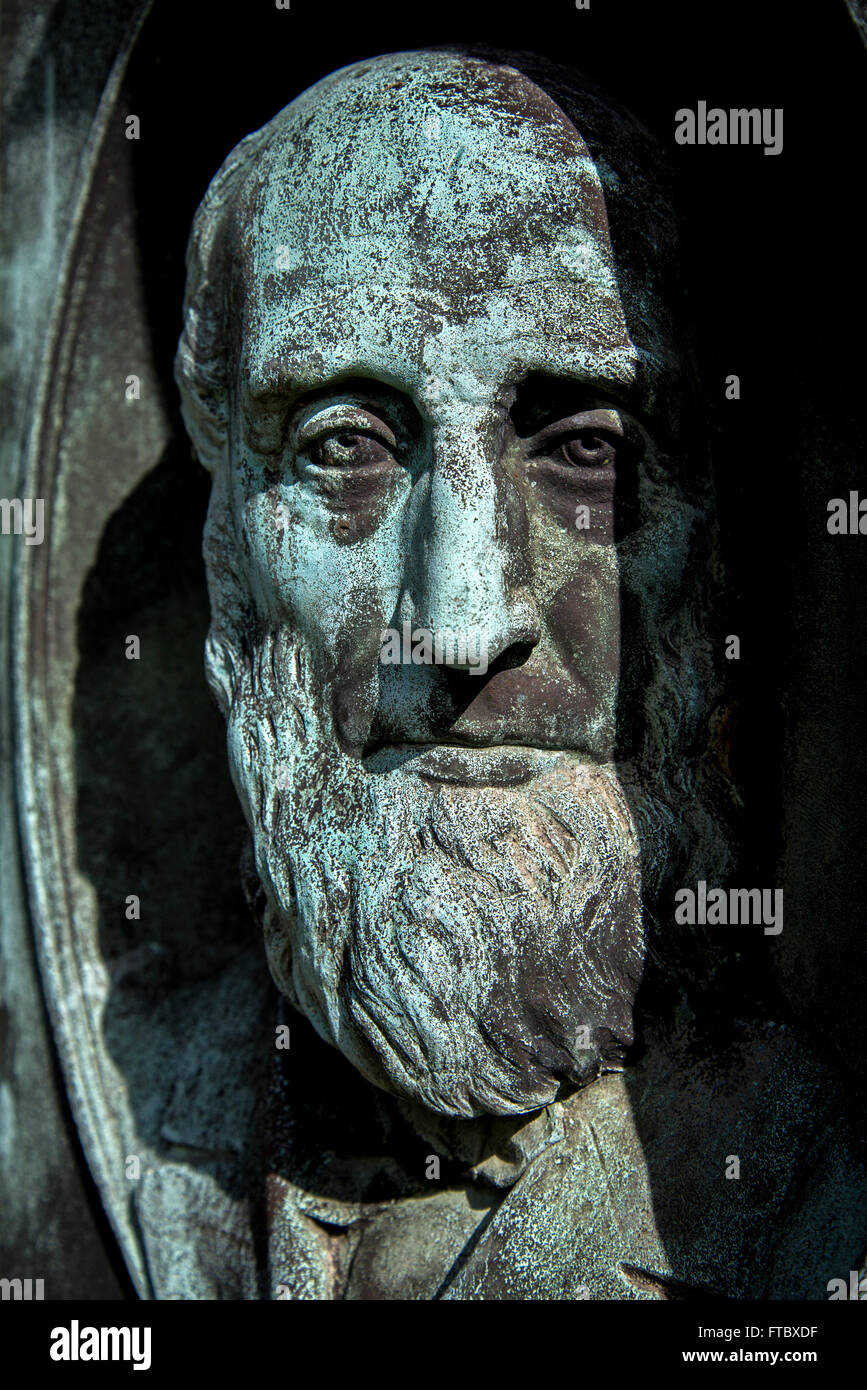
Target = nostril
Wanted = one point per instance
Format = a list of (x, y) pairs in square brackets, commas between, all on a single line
[(464, 685), (514, 655)]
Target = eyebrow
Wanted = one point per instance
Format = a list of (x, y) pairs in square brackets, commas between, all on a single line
[(542, 397), (273, 384), (279, 396), (632, 383)]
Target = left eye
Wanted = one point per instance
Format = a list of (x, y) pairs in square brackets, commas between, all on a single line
[(591, 448), (347, 450)]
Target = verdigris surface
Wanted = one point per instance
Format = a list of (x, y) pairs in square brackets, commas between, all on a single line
[(435, 365), (439, 394)]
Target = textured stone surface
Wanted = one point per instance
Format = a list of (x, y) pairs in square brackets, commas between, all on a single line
[(345, 1158), (55, 68)]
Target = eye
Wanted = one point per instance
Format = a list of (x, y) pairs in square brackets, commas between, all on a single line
[(593, 439), (590, 448), (347, 449), (342, 436)]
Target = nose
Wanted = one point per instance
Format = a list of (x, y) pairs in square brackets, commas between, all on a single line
[(468, 573)]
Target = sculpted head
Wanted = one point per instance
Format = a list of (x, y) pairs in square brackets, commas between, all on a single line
[(437, 384)]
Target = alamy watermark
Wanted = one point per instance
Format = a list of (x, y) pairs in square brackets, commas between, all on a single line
[(423, 646), (25, 1289), (848, 520), (23, 517), (76, 1343), (855, 1289), (741, 126), (738, 906)]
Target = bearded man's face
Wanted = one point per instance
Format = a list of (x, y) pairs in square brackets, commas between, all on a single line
[(436, 426)]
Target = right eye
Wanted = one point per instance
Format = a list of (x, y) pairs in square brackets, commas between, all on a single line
[(347, 449), (591, 448)]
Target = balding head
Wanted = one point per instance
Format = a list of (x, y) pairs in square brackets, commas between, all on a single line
[(404, 195)]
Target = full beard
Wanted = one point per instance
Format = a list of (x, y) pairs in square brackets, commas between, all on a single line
[(472, 949)]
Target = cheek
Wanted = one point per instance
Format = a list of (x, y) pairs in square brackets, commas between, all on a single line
[(340, 594), (578, 502), (584, 620), (353, 505), (317, 554), (576, 571)]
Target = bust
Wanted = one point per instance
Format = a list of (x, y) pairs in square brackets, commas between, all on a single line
[(407, 364), (434, 360)]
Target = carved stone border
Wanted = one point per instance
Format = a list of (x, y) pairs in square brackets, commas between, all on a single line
[(73, 973)]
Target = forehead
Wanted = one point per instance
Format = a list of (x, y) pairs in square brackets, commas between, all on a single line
[(427, 215)]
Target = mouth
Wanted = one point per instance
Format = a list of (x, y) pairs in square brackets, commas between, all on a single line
[(498, 765)]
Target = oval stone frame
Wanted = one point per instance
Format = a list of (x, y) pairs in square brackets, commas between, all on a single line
[(122, 498)]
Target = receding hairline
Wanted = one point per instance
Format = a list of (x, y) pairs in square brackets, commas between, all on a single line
[(621, 152)]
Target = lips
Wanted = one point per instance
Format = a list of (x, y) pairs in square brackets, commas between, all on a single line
[(503, 765)]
